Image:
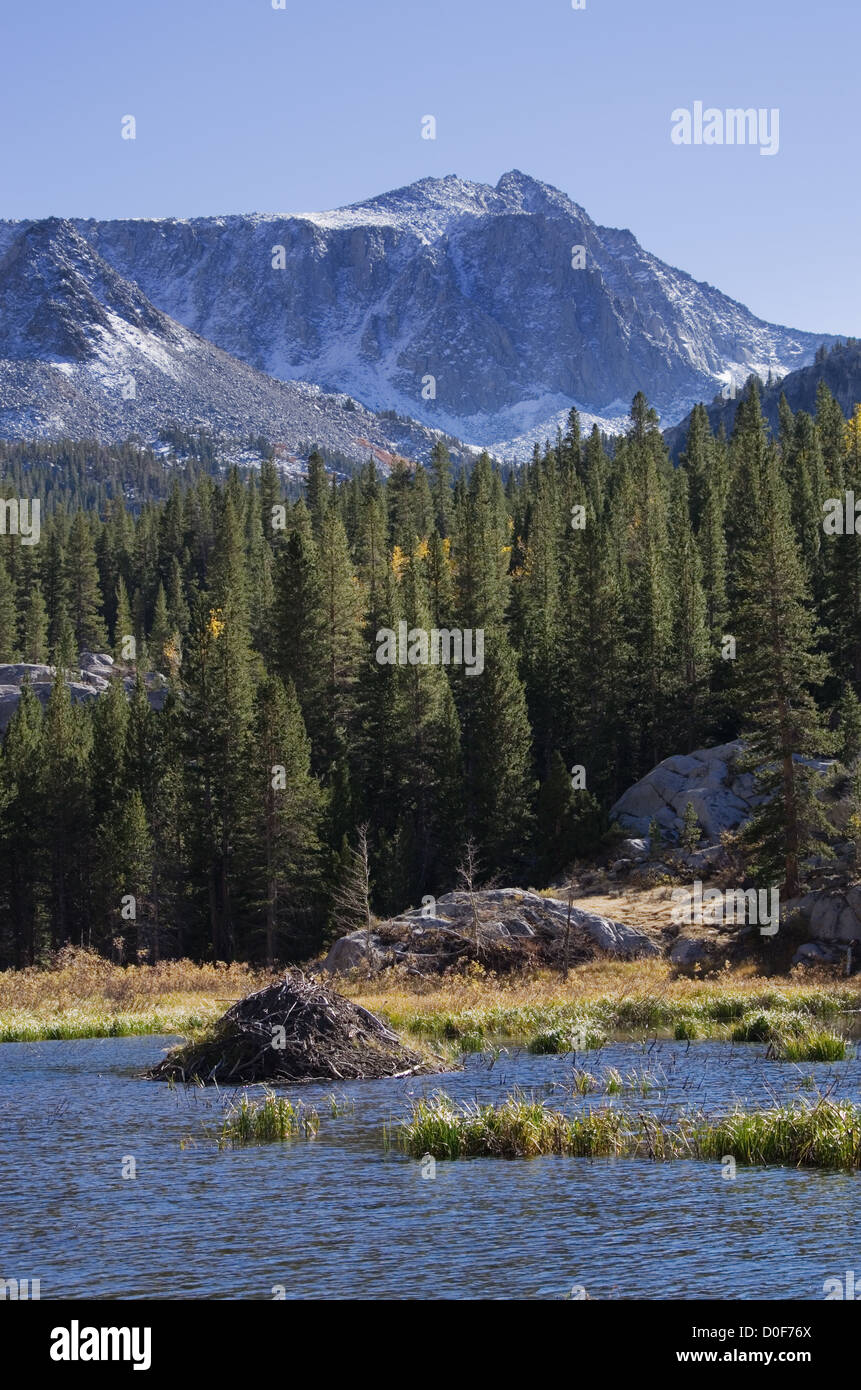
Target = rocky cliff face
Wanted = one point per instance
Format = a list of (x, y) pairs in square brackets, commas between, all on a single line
[(84, 353), (467, 283)]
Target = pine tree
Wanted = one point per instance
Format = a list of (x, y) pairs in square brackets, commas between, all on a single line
[(440, 466), (339, 637), (317, 492), (642, 505), (426, 755), (848, 724), (126, 850), (8, 616), (160, 632), (23, 849), (123, 625), (698, 460), (298, 619), (82, 587), (220, 676), (568, 820), (66, 821), (499, 784), (690, 631), (842, 566), (54, 583), (35, 631), (536, 606), (594, 655), (283, 825), (777, 668)]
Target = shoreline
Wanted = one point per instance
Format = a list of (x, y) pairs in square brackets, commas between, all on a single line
[(90, 998)]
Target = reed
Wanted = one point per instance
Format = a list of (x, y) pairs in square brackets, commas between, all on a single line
[(268, 1121), (820, 1045), (824, 1134)]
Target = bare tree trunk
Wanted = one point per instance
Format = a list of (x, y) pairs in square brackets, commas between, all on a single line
[(567, 935), (467, 872)]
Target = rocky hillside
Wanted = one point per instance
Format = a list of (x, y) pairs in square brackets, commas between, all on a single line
[(84, 353), (840, 369), (469, 283), (94, 675)]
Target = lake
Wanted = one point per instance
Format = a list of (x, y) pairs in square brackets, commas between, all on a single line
[(339, 1217)]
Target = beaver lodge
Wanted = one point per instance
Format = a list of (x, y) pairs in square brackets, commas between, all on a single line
[(294, 1030)]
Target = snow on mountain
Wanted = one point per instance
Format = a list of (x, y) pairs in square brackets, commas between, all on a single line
[(465, 283), (84, 353), (454, 303)]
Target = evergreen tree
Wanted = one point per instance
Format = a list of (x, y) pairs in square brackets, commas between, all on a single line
[(317, 492), (777, 669), (35, 631), (284, 820), (8, 616), (24, 850), (440, 465), (690, 631), (82, 587)]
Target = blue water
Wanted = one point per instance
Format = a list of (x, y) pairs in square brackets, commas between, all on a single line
[(339, 1217)]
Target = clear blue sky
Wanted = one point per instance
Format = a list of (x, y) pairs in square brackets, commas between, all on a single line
[(241, 108)]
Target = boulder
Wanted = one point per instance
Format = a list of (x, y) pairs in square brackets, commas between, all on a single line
[(635, 848), (687, 952), (92, 678), (351, 953), (703, 860), (833, 916), (617, 938), (722, 796), (504, 916), (621, 866), (816, 953)]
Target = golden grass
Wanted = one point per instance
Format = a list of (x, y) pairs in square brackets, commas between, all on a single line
[(620, 995), (82, 995)]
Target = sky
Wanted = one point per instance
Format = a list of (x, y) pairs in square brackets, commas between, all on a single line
[(242, 107)]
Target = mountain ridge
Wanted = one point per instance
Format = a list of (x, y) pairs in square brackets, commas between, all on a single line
[(452, 302), (84, 353)]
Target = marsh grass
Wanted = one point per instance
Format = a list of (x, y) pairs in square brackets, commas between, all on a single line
[(619, 998), (91, 1023), (81, 995), (820, 1045), (576, 1037), (612, 1082), (826, 1134), (268, 1121)]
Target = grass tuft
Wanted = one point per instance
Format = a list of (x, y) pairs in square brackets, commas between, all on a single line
[(819, 1045), (826, 1134), (268, 1121)]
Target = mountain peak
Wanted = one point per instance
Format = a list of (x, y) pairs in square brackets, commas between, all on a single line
[(55, 290), (466, 285)]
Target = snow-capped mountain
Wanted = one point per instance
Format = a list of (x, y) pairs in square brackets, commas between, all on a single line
[(471, 285), (84, 353)]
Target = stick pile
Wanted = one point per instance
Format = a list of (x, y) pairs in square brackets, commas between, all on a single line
[(293, 1030)]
